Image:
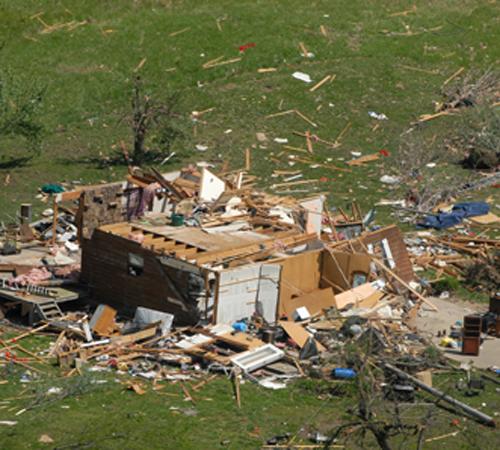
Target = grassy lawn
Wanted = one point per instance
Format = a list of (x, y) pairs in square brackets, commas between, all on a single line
[(96, 410), (386, 56), (85, 54)]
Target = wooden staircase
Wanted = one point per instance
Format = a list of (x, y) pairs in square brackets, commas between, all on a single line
[(49, 310)]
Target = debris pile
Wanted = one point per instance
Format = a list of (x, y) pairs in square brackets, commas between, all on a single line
[(197, 274)]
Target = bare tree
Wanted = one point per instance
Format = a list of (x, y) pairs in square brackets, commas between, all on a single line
[(152, 118), (20, 103)]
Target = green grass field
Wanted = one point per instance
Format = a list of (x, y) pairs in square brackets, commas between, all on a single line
[(387, 56), (97, 411), (85, 54)]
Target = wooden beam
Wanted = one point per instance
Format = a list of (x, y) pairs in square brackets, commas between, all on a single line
[(187, 252)]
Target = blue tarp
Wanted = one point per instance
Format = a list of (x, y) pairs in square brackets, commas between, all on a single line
[(459, 212)]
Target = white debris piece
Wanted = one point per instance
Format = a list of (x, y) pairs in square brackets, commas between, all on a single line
[(9, 423), (302, 77), (388, 179), (378, 116)]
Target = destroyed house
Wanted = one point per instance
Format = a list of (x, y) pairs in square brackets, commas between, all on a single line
[(222, 274), (193, 273), (217, 250)]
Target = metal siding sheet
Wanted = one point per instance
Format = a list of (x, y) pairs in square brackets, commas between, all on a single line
[(269, 290)]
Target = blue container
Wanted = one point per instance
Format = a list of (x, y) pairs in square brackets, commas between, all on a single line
[(240, 326), (344, 373)]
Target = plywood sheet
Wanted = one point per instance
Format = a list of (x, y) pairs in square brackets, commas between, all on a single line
[(298, 333), (300, 274), (486, 219), (103, 320), (241, 339), (314, 301), (199, 238), (339, 268), (354, 296)]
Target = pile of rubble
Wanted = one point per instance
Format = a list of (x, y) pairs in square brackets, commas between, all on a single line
[(196, 274)]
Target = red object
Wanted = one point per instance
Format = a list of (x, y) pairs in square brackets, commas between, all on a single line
[(242, 48), (323, 179), (384, 152)]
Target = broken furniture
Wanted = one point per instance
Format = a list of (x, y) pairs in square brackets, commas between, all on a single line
[(471, 338)]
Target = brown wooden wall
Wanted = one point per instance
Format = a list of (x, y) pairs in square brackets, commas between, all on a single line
[(299, 274), (105, 269), (393, 235)]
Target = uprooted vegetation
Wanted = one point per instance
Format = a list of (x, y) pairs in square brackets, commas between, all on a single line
[(472, 90), (479, 139)]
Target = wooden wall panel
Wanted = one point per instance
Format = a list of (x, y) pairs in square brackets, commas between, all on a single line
[(105, 269), (404, 267), (299, 274)]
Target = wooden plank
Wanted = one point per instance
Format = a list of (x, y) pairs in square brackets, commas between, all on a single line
[(187, 252), (298, 333), (105, 323), (135, 337), (249, 249)]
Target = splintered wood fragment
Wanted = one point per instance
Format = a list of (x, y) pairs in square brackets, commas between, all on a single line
[(320, 83), (55, 221), (342, 133), (427, 117), (221, 63), (175, 33), (308, 142), (212, 61), (27, 366), (418, 69), (286, 172), (34, 355), (187, 394), (317, 139), (266, 69), (247, 160), (303, 49), (282, 113), (363, 159), (203, 382), (293, 183), (456, 74), (444, 436), (323, 30), (404, 13), (295, 149), (200, 113), (27, 333), (139, 66), (236, 380), (37, 15), (303, 117)]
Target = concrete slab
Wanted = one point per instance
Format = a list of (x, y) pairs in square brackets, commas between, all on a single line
[(450, 310)]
